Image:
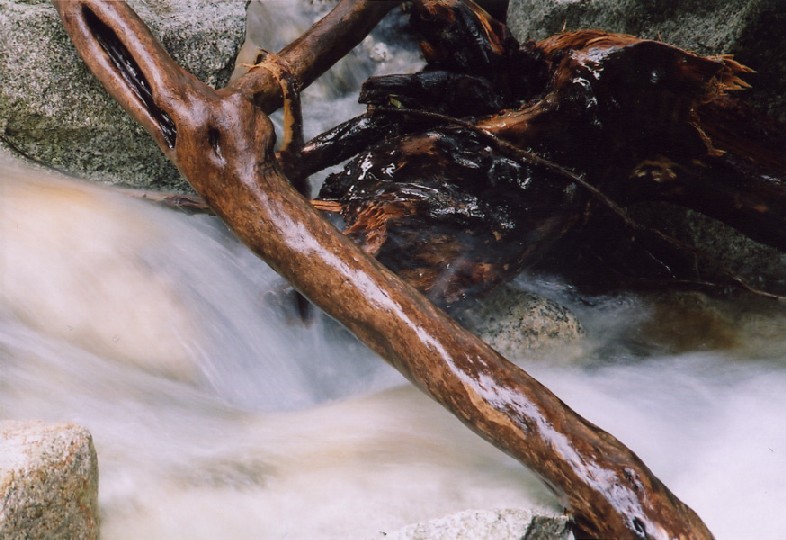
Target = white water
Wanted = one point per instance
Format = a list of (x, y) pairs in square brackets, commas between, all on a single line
[(217, 416), (213, 414)]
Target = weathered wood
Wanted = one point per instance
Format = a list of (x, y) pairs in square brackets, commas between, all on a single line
[(629, 120), (459, 36), (462, 36), (317, 50), (222, 141), (445, 92), (450, 214), (744, 185), (338, 144)]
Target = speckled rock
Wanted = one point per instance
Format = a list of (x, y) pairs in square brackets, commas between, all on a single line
[(761, 266), (48, 481), (54, 111), (519, 324), (507, 524), (752, 30)]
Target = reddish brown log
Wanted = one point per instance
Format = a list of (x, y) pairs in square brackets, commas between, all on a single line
[(223, 143)]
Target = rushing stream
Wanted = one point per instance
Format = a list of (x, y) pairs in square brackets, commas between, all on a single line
[(217, 414)]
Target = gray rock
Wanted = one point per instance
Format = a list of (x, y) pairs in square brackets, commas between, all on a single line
[(48, 481), (54, 111), (519, 324), (752, 30), (509, 524), (761, 266)]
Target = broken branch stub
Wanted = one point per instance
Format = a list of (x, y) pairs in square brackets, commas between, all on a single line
[(223, 143)]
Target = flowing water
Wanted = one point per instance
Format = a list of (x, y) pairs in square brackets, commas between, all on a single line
[(217, 414)]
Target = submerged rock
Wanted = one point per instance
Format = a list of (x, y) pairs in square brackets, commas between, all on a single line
[(519, 324), (752, 30), (509, 524), (48, 481), (52, 109)]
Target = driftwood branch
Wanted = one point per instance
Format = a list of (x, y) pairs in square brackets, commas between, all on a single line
[(313, 53), (222, 142)]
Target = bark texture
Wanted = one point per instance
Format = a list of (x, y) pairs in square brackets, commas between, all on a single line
[(222, 142)]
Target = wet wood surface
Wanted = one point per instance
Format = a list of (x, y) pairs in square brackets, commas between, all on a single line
[(222, 141), (601, 122)]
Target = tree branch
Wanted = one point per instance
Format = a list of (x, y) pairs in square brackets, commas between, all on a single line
[(224, 147), (313, 53)]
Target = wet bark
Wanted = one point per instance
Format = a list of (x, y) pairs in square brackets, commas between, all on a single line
[(448, 214), (222, 141), (459, 207)]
